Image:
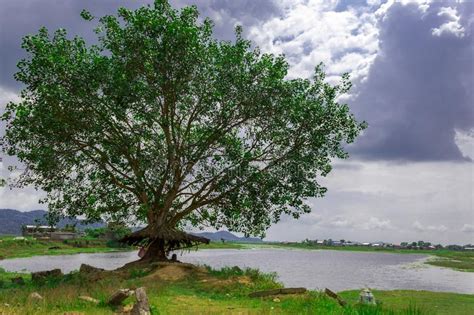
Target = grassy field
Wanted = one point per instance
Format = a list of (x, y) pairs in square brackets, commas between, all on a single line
[(463, 261), (11, 248), (174, 289)]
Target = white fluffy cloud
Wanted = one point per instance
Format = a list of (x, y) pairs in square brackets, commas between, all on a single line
[(465, 142), (310, 32), (451, 26)]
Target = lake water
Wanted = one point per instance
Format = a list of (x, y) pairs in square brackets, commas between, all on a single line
[(313, 269)]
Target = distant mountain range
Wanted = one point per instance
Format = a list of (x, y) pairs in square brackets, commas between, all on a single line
[(12, 220), (227, 236)]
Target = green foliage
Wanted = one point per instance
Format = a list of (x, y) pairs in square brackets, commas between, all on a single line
[(111, 235), (254, 274), (138, 273), (161, 123), (95, 233)]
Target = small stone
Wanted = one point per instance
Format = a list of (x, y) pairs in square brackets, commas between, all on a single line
[(85, 268), (119, 296), (366, 297), (35, 296), (42, 276), (277, 300), (18, 280), (142, 307), (127, 308), (88, 299)]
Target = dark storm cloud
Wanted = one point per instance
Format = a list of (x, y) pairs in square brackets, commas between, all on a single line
[(419, 88), (21, 17)]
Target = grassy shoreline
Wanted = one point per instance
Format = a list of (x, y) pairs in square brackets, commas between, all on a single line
[(29, 247), (215, 292), (178, 290)]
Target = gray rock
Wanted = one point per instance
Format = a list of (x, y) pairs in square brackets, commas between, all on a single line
[(278, 292), (88, 299), (41, 276), (35, 297), (142, 307), (89, 269), (119, 296), (18, 280)]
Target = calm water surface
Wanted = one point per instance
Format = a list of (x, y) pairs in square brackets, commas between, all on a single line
[(316, 269)]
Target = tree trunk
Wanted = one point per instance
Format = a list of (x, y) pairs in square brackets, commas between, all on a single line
[(155, 251)]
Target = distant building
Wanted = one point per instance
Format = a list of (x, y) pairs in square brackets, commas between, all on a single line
[(47, 232), (37, 230), (61, 236)]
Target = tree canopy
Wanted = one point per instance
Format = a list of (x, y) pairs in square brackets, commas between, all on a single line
[(161, 123)]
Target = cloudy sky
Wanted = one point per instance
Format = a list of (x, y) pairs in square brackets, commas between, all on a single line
[(411, 174)]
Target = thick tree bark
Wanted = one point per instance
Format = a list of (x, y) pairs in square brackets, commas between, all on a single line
[(155, 251)]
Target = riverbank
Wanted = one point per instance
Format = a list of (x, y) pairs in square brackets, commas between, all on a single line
[(11, 248), (175, 289)]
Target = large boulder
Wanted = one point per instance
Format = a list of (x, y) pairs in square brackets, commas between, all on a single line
[(85, 268), (41, 276)]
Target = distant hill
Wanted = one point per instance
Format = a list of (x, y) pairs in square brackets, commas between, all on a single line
[(219, 235), (12, 220)]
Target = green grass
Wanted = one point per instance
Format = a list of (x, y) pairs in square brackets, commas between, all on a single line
[(226, 245), (11, 248), (425, 301), (222, 291), (463, 261)]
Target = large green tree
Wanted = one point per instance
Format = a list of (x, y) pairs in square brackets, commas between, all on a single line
[(163, 124)]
